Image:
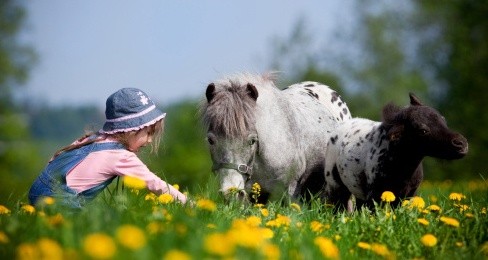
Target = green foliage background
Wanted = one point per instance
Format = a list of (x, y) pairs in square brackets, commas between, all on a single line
[(436, 49)]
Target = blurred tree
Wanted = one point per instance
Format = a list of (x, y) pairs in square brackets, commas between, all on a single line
[(454, 47), (383, 73), (436, 50), (18, 156), (184, 158)]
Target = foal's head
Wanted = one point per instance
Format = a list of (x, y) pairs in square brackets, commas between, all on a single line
[(424, 129)]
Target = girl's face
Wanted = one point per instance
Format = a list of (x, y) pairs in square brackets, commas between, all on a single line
[(140, 139)]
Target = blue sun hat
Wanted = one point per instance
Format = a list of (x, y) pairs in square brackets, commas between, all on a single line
[(129, 109)]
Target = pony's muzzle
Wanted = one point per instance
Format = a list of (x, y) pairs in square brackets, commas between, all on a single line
[(232, 194)]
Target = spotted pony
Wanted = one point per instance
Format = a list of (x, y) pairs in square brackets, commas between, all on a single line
[(365, 158), (258, 133)]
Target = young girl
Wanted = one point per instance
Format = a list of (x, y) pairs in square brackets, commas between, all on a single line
[(78, 172)]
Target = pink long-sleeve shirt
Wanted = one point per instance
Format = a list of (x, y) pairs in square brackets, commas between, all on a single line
[(100, 166)]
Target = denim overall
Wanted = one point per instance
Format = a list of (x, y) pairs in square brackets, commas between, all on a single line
[(52, 181)]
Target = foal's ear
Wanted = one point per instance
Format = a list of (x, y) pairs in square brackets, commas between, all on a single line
[(395, 133), (210, 93), (390, 111), (252, 91), (414, 100)]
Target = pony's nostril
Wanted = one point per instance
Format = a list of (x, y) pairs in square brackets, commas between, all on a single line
[(459, 143), (242, 194)]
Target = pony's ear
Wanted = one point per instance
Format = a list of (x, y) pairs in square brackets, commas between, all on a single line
[(414, 100), (210, 92), (252, 91), (389, 112), (395, 133)]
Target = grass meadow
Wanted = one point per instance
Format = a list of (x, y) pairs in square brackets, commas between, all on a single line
[(446, 221)]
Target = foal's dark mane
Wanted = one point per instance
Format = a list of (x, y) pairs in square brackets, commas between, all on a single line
[(231, 112)]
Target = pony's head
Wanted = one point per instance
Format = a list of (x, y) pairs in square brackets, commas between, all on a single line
[(229, 116)]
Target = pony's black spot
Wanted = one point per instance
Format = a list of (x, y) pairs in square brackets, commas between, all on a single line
[(339, 104), (357, 131), (342, 116), (312, 94), (310, 85), (345, 111), (334, 139), (357, 160), (327, 174), (335, 97)]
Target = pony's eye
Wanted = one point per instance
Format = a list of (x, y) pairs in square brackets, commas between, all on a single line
[(210, 140), (252, 141), (423, 131)]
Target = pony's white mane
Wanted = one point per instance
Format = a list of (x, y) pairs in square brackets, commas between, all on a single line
[(231, 111), (246, 77)]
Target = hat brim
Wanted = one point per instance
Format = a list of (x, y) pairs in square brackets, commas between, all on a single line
[(133, 124)]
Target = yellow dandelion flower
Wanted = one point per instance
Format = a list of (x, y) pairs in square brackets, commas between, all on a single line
[(417, 202), (3, 238), (327, 247), (428, 240), (462, 207), (165, 198), (423, 221), (181, 229), (28, 209), (364, 245), (49, 249), (151, 196), (175, 254), (27, 251), (211, 226), (264, 212), (56, 220), (206, 204), (459, 244), (256, 188), (271, 251), (134, 182), (337, 237), (456, 196), (154, 227), (4, 210), (219, 244), (381, 250), (299, 224), (176, 186), (259, 205), (255, 191), (484, 248), (387, 196), (316, 226), (433, 198), (279, 221), (99, 245), (483, 210), (469, 215), (131, 237), (433, 208), (253, 221), (266, 233), (296, 207), (450, 221), (48, 200)]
